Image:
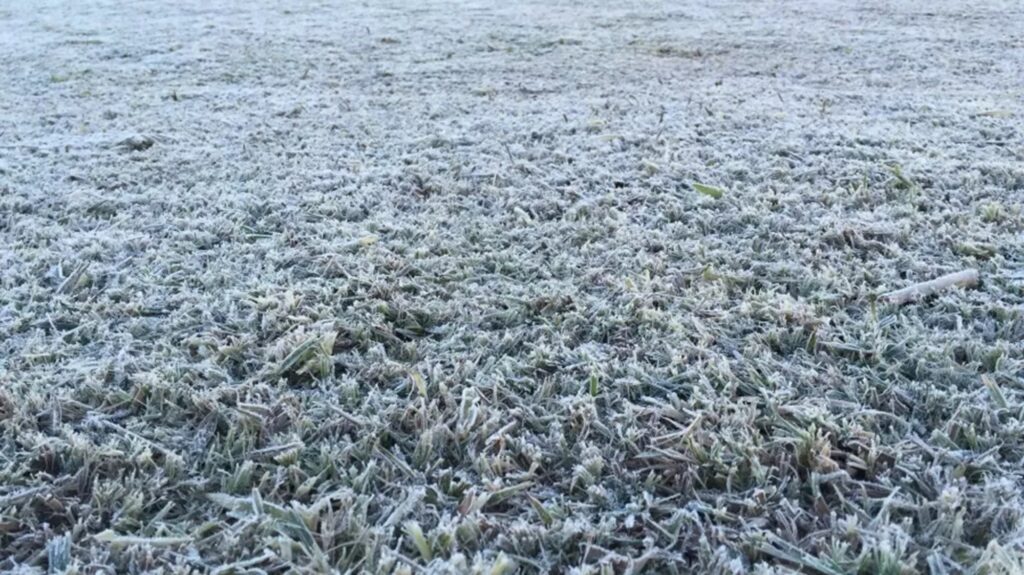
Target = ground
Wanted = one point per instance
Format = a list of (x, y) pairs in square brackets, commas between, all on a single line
[(484, 286)]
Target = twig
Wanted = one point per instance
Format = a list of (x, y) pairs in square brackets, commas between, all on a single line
[(965, 279)]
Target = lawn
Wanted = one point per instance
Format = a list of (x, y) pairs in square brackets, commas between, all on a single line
[(511, 287)]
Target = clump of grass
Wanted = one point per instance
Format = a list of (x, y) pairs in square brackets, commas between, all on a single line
[(993, 212), (312, 356), (710, 191), (900, 180)]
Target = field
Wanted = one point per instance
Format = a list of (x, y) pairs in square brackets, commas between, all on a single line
[(497, 287)]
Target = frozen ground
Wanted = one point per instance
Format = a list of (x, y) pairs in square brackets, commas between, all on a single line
[(373, 286)]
